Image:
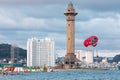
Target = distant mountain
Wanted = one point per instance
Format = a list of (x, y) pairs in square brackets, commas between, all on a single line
[(5, 51), (99, 59), (116, 58)]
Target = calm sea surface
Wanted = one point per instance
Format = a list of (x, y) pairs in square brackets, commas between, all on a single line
[(67, 75)]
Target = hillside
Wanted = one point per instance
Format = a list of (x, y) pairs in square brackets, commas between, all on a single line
[(116, 58), (5, 51)]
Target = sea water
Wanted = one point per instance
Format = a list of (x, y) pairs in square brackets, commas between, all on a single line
[(67, 75)]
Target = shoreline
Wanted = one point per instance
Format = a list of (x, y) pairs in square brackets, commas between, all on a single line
[(79, 69)]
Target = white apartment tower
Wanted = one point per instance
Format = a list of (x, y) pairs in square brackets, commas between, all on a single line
[(40, 52), (79, 55), (89, 56)]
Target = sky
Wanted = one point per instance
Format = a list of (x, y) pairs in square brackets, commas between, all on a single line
[(21, 20)]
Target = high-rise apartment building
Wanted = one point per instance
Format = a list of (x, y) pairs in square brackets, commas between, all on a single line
[(40, 52), (89, 56), (79, 55)]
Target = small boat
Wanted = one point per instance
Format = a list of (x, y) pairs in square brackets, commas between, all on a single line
[(47, 69)]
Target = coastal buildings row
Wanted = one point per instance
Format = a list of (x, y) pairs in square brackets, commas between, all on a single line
[(42, 51), (94, 61), (80, 54)]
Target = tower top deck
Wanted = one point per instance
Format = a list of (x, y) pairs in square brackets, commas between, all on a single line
[(70, 10), (70, 4)]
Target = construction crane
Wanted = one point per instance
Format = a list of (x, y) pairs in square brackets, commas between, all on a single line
[(12, 54)]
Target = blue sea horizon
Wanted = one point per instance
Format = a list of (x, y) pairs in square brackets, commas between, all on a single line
[(67, 75)]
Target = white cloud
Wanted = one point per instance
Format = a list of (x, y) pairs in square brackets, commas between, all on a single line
[(20, 20), (5, 21), (101, 25), (2, 37), (33, 23)]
